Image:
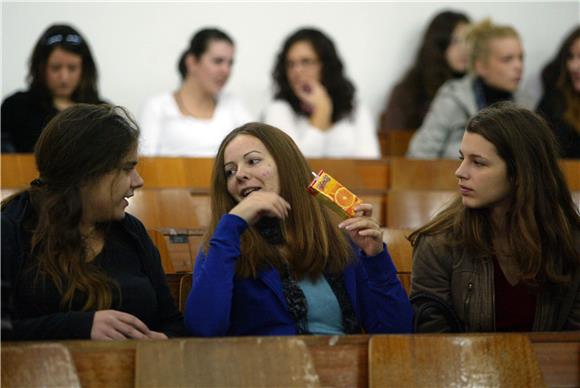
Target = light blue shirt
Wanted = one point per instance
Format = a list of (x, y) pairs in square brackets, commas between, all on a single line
[(324, 314)]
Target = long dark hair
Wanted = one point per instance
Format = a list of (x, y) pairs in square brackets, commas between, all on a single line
[(430, 68), (542, 219), (309, 254), (556, 79), (339, 88), (79, 145), (199, 44), (70, 40)]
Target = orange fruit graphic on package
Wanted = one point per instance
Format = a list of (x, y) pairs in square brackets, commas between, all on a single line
[(330, 192)]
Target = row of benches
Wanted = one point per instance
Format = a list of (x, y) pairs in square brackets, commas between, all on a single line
[(518, 360), (393, 173)]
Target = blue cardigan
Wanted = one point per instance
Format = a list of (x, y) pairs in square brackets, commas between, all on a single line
[(220, 303)]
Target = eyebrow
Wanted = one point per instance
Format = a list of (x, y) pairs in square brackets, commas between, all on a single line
[(245, 155), (474, 155)]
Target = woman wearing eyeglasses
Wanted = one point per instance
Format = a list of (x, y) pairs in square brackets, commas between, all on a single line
[(314, 101), (62, 72)]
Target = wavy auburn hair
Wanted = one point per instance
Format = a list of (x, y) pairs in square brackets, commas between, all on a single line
[(542, 219), (313, 241)]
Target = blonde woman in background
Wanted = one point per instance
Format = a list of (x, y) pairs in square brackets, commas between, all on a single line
[(496, 68)]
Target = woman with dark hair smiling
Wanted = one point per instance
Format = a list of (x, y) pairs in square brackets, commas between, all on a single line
[(442, 56), (192, 120), (78, 266), (314, 101), (62, 72)]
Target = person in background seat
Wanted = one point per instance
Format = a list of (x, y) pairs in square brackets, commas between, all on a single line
[(442, 56), (315, 103), (193, 120), (62, 73), (496, 64), (560, 103)]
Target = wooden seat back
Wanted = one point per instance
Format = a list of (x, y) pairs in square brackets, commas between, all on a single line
[(410, 209), (453, 361), (38, 365), (416, 174), (170, 208), (225, 362), (395, 142), (571, 170), (401, 253)]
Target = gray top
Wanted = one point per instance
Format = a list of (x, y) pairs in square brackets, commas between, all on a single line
[(442, 130)]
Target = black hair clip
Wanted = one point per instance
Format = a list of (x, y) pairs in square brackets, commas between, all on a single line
[(37, 182)]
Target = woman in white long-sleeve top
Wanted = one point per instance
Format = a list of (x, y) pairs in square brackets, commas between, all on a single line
[(314, 101), (193, 120)]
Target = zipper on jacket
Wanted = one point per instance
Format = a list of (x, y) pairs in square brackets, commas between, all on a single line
[(466, 303)]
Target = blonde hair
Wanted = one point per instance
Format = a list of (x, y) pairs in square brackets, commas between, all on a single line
[(479, 35)]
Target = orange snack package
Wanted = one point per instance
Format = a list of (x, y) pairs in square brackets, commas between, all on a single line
[(331, 193)]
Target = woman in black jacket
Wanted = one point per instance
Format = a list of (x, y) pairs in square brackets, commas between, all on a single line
[(62, 72), (78, 267)]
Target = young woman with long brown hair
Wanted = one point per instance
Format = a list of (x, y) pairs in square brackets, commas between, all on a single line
[(77, 266), (505, 254), (277, 262)]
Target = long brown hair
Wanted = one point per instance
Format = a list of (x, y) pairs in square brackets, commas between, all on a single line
[(542, 219), (79, 145), (430, 68), (557, 78), (313, 241)]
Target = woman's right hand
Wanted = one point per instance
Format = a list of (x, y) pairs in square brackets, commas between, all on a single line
[(261, 204), (314, 95), (115, 325)]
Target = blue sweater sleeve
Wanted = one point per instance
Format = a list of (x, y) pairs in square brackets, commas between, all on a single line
[(384, 304), (207, 312)]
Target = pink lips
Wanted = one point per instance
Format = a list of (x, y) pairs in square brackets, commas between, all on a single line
[(464, 190)]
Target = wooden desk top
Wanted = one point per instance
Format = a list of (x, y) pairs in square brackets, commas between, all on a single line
[(339, 361)]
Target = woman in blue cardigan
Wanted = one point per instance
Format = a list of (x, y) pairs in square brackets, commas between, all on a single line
[(276, 262)]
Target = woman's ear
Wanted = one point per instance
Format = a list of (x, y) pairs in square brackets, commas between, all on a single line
[(190, 63), (480, 67)]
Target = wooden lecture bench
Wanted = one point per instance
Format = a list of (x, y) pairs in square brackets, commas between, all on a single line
[(527, 359)]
